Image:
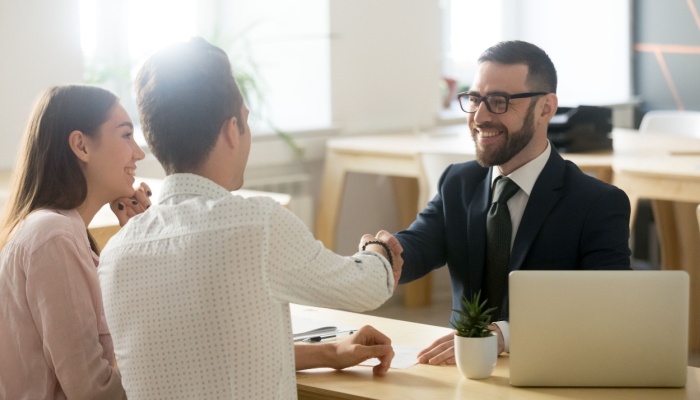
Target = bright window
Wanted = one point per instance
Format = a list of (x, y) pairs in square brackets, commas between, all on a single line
[(470, 28), (280, 45), (588, 41)]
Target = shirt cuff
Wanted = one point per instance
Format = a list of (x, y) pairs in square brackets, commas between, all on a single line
[(385, 263), (505, 330)]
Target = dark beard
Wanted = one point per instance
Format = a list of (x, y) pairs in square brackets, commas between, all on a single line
[(515, 142)]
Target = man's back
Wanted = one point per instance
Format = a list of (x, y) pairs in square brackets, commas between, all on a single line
[(196, 294)]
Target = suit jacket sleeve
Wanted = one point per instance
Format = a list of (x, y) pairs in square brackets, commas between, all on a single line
[(606, 233), (424, 242)]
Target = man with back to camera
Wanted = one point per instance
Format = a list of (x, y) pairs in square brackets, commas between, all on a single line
[(520, 206), (197, 289)]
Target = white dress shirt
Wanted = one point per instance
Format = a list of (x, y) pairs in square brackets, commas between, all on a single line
[(196, 293), (525, 177)]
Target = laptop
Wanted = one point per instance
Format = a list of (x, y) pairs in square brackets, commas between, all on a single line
[(599, 328)]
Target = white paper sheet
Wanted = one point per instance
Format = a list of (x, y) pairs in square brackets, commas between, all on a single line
[(404, 357), (303, 328)]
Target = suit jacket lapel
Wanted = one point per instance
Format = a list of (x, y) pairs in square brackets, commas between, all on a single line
[(545, 195), (476, 238)]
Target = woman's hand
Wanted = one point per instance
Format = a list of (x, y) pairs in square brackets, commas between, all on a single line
[(125, 208)]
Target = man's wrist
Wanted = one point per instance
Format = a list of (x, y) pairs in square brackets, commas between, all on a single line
[(315, 355), (380, 247), (505, 332)]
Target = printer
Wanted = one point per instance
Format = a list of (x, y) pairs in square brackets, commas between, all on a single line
[(581, 129)]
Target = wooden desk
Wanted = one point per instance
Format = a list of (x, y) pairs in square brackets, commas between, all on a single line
[(666, 169), (669, 180), (105, 224), (443, 381), (5, 177), (398, 157)]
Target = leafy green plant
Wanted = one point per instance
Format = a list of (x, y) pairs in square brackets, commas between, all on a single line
[(474, 317)]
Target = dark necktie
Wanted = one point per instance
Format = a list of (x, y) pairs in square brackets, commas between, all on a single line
[(499, 231)]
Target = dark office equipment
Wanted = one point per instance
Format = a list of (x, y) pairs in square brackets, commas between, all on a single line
[(581, 129)]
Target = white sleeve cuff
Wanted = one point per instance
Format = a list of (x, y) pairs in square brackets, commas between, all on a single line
[(505, 330)]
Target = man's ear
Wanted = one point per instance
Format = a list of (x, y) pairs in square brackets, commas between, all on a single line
[(230, 132), (549, 108), (78, 143)]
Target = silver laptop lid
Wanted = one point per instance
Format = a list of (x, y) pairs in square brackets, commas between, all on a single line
[(598, 328)]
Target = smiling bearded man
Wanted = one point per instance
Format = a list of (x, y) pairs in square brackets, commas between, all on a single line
[(520, 206)]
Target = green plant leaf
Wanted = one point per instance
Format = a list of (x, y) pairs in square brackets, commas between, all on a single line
[(474, 317)]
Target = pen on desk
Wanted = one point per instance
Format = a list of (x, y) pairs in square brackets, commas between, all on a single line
[(336, 335)]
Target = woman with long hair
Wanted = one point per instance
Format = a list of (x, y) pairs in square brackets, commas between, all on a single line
[(78, 154)]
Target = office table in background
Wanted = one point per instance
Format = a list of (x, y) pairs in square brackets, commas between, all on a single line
[(443, 381), (671, 178)]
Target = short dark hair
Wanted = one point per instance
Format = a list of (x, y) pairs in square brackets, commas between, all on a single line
[(542, 76), (185, 92)]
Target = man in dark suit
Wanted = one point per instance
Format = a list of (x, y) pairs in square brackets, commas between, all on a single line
[(543, 214)]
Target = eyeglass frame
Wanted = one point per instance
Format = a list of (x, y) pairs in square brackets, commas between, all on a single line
[(484, 99)]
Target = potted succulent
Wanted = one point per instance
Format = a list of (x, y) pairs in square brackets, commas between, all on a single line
[(476, 345)]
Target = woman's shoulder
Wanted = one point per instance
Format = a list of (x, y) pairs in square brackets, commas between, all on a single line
[(49, 218), (44, 225)]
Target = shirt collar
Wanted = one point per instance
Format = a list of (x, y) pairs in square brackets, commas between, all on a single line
[(191, 184), (526, 176)]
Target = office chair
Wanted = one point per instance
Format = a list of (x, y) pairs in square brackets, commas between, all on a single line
[(683, 123), (433, 164)]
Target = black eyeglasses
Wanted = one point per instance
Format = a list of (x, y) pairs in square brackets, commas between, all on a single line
[(495, 103)]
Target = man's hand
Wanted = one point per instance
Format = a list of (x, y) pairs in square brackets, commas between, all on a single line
[(125, 208), (394, 247), (440, 351), (443, 350), (364, 344)]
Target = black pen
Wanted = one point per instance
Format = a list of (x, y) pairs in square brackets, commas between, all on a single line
[(316, 339)]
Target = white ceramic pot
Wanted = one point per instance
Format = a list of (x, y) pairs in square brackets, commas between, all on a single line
[(476, 357)]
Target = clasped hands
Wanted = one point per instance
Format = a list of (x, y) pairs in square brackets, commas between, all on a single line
[(393, 245)]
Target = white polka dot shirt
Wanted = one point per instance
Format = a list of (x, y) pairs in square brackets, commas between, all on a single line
[(196, 293)]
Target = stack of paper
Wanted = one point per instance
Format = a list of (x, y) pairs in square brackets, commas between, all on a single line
[(309, 329)]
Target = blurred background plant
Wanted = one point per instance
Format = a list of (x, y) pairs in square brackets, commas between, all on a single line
[(117, 75), (250, 81)]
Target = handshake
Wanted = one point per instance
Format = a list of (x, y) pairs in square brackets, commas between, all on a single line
[(388, 246)]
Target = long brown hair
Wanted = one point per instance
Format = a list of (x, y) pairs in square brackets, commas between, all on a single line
[(47, 173)]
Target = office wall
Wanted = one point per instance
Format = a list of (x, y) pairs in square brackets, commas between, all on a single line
[(385, 75), (39, 47), (588, 41), (385, 63), (667, 54)]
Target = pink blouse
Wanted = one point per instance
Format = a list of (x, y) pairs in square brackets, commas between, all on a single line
[(54, 341)]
